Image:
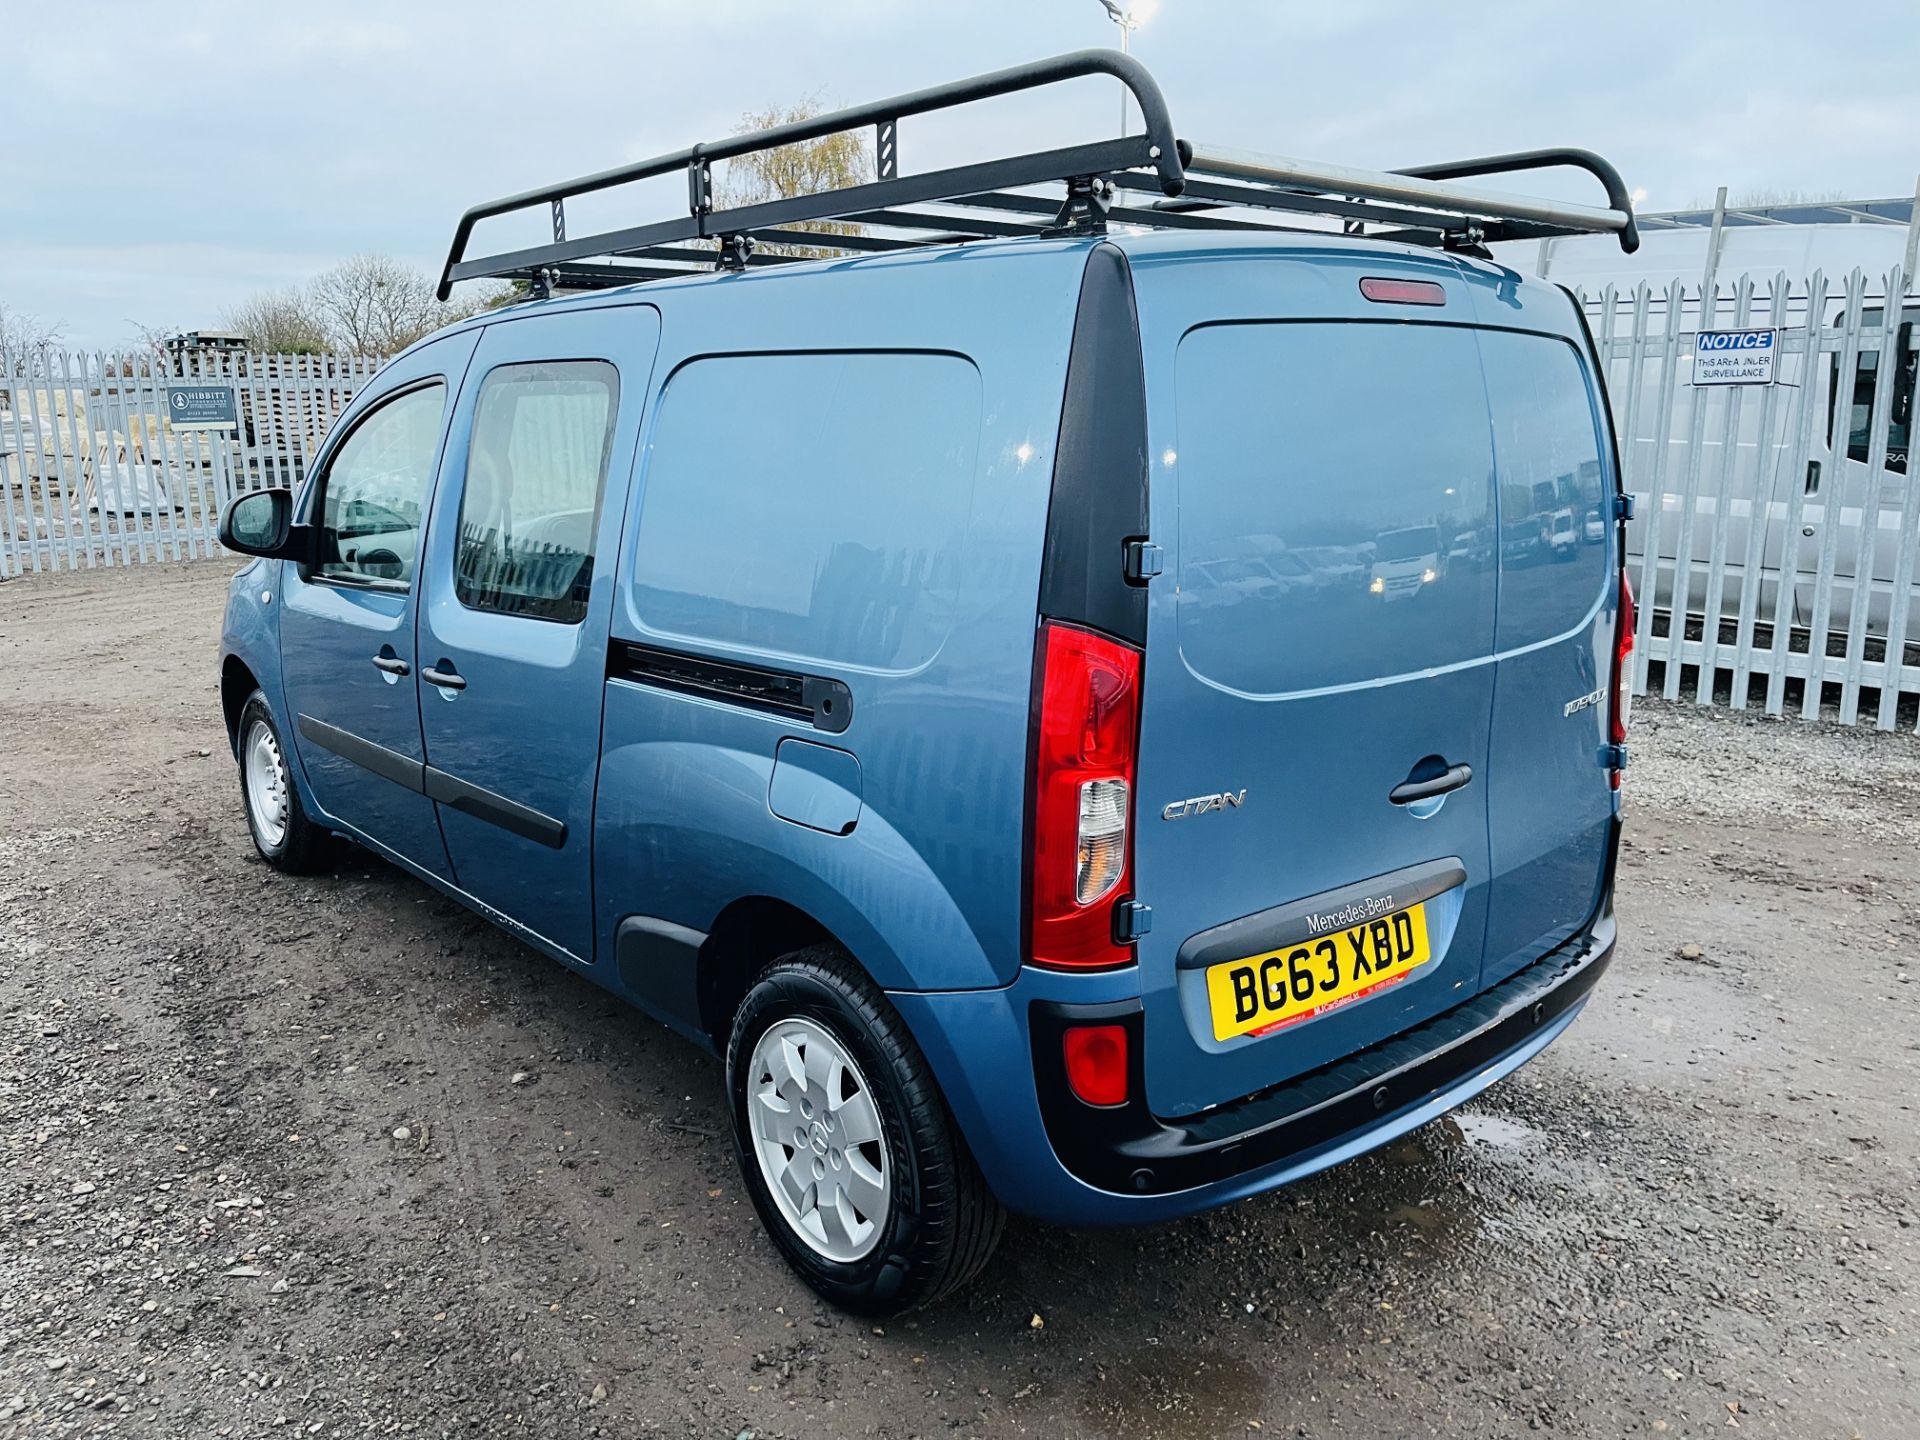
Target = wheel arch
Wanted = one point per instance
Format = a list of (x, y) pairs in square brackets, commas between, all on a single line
[(237, 682), (748, 935)]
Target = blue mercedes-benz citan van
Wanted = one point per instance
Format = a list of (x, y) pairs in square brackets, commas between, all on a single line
[(1069, 693)]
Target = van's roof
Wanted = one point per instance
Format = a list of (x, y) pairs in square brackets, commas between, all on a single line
[(1142, 244)]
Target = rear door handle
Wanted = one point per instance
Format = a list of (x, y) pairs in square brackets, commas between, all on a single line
[(390, 664), (1408, 791), (445, 679)]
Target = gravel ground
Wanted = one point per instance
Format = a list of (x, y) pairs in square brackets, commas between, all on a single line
[(330, 1155)]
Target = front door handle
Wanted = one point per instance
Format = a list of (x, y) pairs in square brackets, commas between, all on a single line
[(390, 664), (1408, 791), (445, 679)]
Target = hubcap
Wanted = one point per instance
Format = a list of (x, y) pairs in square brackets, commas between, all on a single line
[(266, 774), (817, 1136)]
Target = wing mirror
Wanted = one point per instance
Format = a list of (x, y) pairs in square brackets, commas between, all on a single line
[(261, 523)]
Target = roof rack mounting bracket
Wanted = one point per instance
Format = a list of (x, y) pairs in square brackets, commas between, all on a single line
[(735, 251), (699, 185), (1084, 211), (886, 150)]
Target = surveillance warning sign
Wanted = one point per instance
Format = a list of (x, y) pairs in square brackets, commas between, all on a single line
[(1734, 357)]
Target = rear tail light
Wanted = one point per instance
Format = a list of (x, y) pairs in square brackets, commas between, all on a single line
[(1096, 1057), (1622, 674), (1084, 753)]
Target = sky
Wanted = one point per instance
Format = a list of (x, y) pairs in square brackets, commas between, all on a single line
[(163, 162)]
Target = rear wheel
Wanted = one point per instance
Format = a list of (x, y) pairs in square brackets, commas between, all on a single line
[(845, 1145), (282, 833)]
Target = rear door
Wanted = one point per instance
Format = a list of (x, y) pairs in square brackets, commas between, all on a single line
[(1319, 685), (519, 590), (1549, 794)]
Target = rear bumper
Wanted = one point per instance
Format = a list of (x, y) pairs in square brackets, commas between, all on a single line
[(1049, 1155), (1126, 1148)]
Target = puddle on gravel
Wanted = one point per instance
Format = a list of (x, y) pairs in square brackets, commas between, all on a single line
[(1170, 1392), (1497, 1132)]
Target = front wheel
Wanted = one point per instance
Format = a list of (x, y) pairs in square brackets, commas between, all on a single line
[(845, 1145), (282, 833)]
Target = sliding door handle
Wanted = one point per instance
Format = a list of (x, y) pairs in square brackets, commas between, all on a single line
[(1408, 791), (445, 679)]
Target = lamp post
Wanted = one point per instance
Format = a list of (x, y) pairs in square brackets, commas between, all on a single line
[(1129, 18)]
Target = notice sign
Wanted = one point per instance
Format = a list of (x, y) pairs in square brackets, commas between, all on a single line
[(202, 407), (1734, 357)]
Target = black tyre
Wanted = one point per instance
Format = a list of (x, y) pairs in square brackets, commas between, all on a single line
[(845, 1144), (282, 833)]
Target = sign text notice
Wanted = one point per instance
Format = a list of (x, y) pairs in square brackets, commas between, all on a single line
[(1734, 357)]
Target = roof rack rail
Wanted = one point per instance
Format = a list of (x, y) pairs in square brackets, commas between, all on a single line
[(1192, 187)]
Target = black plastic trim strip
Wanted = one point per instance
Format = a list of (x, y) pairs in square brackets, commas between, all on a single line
[(1293, 922), (1099, 498), (820, 701), (437, 785), (402, 770), (483, 804)]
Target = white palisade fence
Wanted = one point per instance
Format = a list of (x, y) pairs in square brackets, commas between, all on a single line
[(1773, 544), (92, 472)]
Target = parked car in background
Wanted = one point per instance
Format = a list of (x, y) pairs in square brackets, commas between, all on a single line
[(1563, 536), (1404, 560)]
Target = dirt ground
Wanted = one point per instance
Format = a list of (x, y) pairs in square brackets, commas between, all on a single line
[(331, 1155)]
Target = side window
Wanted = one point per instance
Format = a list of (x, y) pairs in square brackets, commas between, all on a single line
[(535, 472), (373, 490), (1866, 378)]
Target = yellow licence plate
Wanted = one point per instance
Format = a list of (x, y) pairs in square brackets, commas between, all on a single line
[(1269, 992)]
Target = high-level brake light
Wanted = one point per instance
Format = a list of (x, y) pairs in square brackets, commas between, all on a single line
[(1383, 291)]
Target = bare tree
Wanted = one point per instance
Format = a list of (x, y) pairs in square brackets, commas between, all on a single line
[(830, 163), (373, 305), (286, 322), (22, 334)]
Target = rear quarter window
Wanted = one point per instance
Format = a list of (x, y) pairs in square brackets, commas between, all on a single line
[(1336, 519), (809, 505), (1546, 442)]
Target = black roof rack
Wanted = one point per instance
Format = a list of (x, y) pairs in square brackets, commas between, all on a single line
[(1162, 181)]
